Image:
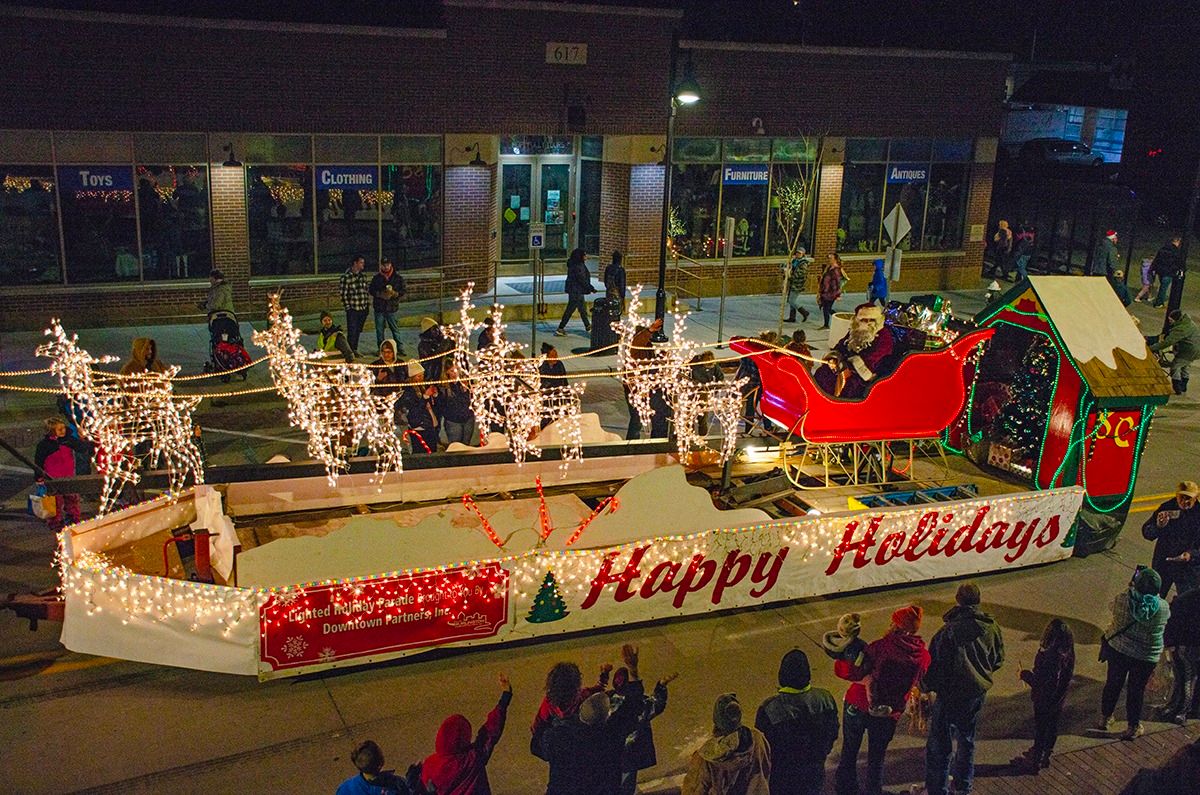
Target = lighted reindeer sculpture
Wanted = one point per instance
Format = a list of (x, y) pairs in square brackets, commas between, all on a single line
[(667, 370), (336, 403), (133, 420), (507, 391)]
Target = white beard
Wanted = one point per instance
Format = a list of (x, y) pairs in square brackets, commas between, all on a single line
[(860, 338)]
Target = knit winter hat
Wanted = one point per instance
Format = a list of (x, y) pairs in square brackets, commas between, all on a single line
[(908, 618), (414, 368), (1111, 234), (594, 709), (427, 323), (1147, 581), (326, 315), (794, 671), (727, 715)]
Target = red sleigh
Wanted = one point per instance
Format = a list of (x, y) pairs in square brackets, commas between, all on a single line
[(919, 399)]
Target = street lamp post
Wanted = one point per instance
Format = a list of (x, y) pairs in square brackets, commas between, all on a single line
[(680, 93)]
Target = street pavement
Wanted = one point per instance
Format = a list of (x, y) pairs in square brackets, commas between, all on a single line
[(116, 726)]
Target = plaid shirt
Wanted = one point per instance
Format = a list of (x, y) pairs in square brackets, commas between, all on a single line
[(353, 287)]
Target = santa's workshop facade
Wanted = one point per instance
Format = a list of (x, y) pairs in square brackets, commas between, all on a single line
[(289, 148)]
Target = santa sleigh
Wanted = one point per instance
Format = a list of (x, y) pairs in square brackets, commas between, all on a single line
[(917, 400)]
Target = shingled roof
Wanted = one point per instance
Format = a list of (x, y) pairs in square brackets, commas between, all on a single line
[(1098, 333)]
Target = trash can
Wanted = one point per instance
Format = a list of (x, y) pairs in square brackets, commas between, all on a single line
[(605, 312)]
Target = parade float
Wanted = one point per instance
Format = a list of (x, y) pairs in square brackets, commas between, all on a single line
[(556, 526)]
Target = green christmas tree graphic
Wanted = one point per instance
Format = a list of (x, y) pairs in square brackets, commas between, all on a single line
[(548, 605)]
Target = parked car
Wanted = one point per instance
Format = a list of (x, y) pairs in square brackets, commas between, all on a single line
[(1060, 150)]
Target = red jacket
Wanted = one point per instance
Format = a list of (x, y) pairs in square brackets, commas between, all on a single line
[(894, 663), (458, 766)]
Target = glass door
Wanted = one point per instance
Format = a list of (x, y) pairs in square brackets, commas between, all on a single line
[(554, 193), (516, 189), (537, 189)]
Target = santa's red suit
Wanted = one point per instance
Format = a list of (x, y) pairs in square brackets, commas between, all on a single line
[(854, 370)]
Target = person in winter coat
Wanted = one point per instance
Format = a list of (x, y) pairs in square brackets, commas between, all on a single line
[(458, 765), (585, 750), (1023, 250), (830, 288), (387, 291), (453, 405), (639, 746), (614, 278), (487, 334), (1182, 637), (735, 760), (432, 346), (220, 295), (331, 341), (1106, 259), (800, 723), (1135, 644), (1183, 337), (1168, 266), (564, 693), (1048, 683), (143, 358), (797, 282), (877, 290), (1175, 530), (891, 667), (372, 779), (579, 284), (1002, 243), (390, 373), (417, 403), (55, 455), (965, 653)]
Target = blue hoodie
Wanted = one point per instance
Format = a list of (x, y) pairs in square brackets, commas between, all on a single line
[(879, 284)]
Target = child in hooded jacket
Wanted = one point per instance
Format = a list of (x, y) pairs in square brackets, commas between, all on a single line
[(55, 455), (458, 765), (1048, 683)]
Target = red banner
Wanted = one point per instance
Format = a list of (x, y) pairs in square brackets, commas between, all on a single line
[(325, 624)]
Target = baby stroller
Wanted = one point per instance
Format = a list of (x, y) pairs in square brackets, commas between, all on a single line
[(226, 349)]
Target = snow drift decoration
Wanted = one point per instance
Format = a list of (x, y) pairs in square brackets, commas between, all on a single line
[(132, 420)]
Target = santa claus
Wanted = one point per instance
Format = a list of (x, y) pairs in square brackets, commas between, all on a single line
[(855, 362)]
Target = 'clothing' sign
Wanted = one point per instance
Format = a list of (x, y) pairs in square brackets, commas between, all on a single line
[(84, 178), (908, 172), (747, 175), (346, 177)]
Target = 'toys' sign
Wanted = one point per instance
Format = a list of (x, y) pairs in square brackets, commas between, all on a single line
[(84, 178)]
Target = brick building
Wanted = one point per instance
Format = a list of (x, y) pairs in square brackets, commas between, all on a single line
[(140, 151)]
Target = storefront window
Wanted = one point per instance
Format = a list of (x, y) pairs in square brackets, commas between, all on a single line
[(862, 197), (99, 223), (793, 180), (743, 183), (173, 215), (411, 201), (28, 226), (590, 178), (347, 215), (927, 178), (695, 194), (279, 207)]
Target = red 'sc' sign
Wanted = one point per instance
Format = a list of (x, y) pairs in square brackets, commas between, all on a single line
[(328, 623)]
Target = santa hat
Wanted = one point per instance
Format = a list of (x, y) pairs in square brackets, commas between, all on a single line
[(1111, 234)]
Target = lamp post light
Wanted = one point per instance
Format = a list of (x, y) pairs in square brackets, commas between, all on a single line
[(682, 92)]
